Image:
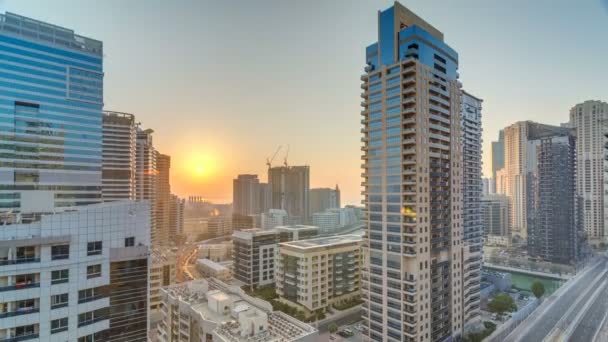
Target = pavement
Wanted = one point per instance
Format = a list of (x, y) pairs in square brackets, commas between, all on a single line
[(561, 308)]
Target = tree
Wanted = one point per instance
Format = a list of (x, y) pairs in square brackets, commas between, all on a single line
[(332, 328), (538, 289), (502, 303)]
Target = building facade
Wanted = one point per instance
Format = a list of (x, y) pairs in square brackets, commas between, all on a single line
[(472, 188), (316, 273), (498, 155), (412, 286), (145, 176), (589, 120), (322, 199), (118, 162), (327, 221), (162, 273), (253, 253), (289, 188), (246, 195), (163, 199), (274, 218), (496, 217)]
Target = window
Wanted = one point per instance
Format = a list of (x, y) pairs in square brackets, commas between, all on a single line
[(91, 317), (88, 295), (60, 276), (88, 338), (60, 252), (94, 248), (93, 271), (25, 254), (59, 301), (59, 325), (25, 330), (130, 241)]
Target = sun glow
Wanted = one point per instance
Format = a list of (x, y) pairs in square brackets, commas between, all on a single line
[(202, 165)]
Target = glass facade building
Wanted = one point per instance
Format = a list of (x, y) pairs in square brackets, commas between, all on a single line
[(51, 99)]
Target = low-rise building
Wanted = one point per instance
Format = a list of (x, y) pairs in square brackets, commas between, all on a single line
[(216, 251), (211, 311), (297, 232), (212, 269), (317, 273), (274, 218), (253, 255), (327, 221)]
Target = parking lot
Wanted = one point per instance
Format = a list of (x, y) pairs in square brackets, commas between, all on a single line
[(355, 328)]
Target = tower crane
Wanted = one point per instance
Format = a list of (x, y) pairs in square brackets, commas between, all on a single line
[(269, 160)]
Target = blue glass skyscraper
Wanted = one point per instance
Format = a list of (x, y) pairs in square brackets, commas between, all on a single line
[(51, 99)]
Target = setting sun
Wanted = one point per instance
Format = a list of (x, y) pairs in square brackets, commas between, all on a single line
[(202, 165)]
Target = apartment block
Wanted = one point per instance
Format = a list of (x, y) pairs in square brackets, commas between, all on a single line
[(118, 162), (211, 269), (322, 199), (253, 254), (274, 218), (316, 273), (216, 252), (211, 311), (162, 273), (589, 120), (496, 217), (246, 195), (296, 232), (290, 188), (412, 179)]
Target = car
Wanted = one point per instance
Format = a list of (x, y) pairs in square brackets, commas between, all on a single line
[(332, 337), (346, 333)]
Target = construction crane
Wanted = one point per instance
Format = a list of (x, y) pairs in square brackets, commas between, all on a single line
[(286, 155), (269, 160)]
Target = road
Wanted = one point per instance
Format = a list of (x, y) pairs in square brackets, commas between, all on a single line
[(560, 307), (347, 319), (592, 320)]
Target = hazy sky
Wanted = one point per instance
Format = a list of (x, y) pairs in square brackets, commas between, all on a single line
[(223, 83)]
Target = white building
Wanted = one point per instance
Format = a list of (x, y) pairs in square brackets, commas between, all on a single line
[(273, 218), (212, 269), (61, 273), (211, 311), (327, 221), (253, 255)]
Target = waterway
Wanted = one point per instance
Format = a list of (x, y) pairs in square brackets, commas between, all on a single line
[(523, 281)]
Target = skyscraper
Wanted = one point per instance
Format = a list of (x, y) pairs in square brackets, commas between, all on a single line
[(145, 175), (472, 192), (521, 139), (176, 216), (412, 154), (246, 195), (163, 198), (496, 218), (63, 255), (498, 154), (290, 187), (590, 121), (554, 218), (118, 164), (322, 199)]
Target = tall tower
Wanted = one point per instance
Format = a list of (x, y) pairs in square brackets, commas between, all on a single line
[(163, 198), (145, 176), (498, 156), (118, 165), (290, 188), (589, 119), (246, 195), (412, 155)]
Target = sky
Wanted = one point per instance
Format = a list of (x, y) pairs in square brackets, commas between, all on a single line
[(224, 83)]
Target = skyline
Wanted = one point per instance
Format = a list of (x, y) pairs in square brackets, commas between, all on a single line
[(210, 103)]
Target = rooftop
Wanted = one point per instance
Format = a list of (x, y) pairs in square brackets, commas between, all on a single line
[(212, 265), (296, 227), (324, 242), (18, 25)]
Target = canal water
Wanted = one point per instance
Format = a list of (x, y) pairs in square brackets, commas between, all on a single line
[(523, 281)]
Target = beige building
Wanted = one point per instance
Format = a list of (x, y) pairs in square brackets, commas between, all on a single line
[(211, 311), (216, 251), (317, 273), (212, 269), (162, 273)]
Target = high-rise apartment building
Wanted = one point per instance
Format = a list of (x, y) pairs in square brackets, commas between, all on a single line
[(316, 273), (555, 220), (118, 163), (521, 139), (590, 121), (472, 216), (289, 188), (246, 195), (163, 198), (496, 217), (322, 199), (498, 154), (412, 155), (145, 176), (71, 268), (162, 273), (176, 216)]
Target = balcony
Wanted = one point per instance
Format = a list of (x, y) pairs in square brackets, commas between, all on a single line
[(19, 312), (18, 261), (20, 338)]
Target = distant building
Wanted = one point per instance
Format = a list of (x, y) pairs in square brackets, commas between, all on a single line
[(332, 275), (327, 221), (118, 163), (590, 121), (274, 218), (290, 187), (296, 232), (176, 216), (253, 254), (240, 221), (555, 223), (322, 199), (265, 199), (145, 176), (487, 187), (211, 269), (496, 218), (163, 199), (219, 226), (216, 252), (210, 311), (498, 155), (246, 195)]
